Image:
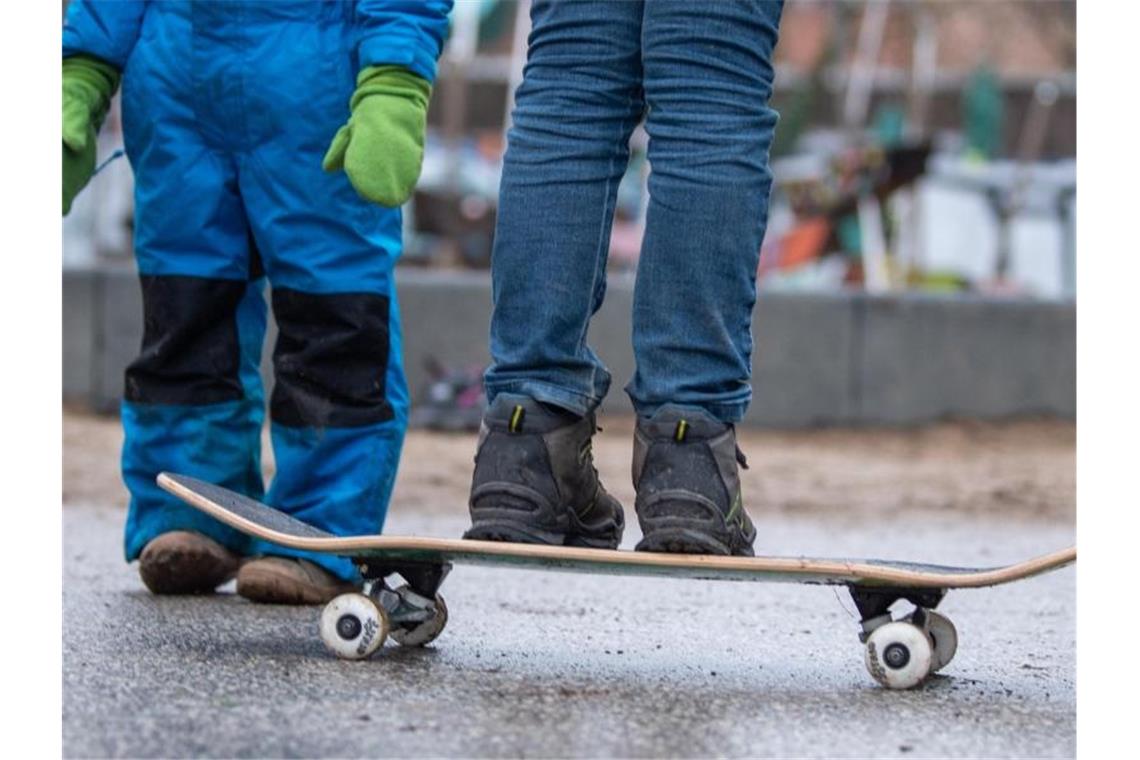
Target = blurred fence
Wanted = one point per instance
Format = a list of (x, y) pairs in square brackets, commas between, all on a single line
[(920, 258)]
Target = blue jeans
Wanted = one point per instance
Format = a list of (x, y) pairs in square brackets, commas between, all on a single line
[(701, 76)]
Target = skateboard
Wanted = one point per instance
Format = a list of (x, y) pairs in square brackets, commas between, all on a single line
[(899, 652)]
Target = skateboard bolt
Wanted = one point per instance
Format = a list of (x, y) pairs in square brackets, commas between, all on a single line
[(896, 656), (348, 627)]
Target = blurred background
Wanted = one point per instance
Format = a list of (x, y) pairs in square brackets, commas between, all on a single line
[(920, 255)]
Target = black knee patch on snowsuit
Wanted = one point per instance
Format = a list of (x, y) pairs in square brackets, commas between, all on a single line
[(331, 359), (191, 353)]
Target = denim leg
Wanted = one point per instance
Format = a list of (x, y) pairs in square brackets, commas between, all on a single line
[(707, 78), (579, 101)]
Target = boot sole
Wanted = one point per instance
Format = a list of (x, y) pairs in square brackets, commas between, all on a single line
[(513, 532), (686, 541), (592, 543), (519, 533)]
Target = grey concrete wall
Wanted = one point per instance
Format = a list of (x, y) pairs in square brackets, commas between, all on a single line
[(81, 303), (924, 358), (843, 359)]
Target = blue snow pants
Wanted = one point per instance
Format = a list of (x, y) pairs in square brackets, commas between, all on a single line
[(227, 109)]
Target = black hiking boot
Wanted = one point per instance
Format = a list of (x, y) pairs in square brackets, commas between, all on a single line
[(688, 485), (535, 480)]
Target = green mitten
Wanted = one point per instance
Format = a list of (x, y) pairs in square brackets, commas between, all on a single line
[(381, 148), (88, 85)]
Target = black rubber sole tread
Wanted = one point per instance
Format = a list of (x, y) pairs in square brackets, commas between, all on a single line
[(512, 533), (684, 541), (524, 534)]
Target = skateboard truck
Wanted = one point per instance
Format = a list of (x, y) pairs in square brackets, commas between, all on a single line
[(874, 604), (354, 625), (409, 604), (424, 578), (901, 653)]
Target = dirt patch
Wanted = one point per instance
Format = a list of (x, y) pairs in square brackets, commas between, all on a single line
[(1024, 469)]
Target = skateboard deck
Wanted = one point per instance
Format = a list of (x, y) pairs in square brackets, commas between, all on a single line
[(899, 652), (259, 520)]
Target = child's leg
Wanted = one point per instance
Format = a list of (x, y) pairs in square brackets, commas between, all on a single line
[(340, 403), (193, 401)]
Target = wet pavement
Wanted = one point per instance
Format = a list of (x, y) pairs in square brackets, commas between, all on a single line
[(554, 664)]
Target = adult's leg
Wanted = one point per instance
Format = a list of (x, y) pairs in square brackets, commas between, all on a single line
[(567, 150), (708, 78), (580, 99)]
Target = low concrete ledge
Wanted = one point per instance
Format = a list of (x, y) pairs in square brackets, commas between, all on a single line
[(842, 359), (923, 358)]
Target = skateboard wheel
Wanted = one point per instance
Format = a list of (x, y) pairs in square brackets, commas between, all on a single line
[(944, 637), (898, 655), (425, 632), (353, 626)]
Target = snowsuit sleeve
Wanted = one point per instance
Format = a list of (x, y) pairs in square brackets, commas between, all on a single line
[(105, 29), (407, 33)]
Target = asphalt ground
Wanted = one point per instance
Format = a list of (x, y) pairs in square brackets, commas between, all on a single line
[(553, 664)]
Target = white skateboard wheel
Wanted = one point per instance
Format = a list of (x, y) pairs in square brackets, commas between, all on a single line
[(898, 655), (944, 636), (425, 632), (353, 626)]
